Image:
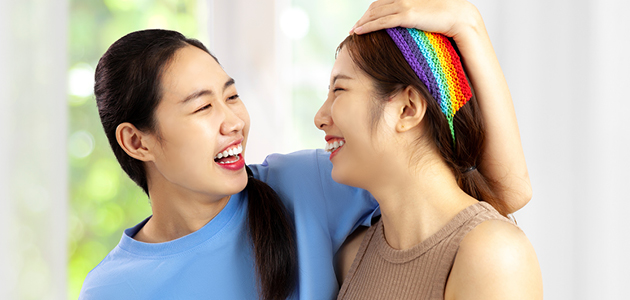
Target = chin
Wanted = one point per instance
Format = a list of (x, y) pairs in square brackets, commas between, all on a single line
[(227, 186), (341, 177), (238, 185), (351, 178)]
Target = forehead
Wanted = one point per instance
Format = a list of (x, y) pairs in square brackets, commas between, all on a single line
[(345, 67), (343, 64), (190, 70)]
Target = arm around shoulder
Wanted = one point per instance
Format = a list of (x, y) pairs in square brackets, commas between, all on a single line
[(495, 261)]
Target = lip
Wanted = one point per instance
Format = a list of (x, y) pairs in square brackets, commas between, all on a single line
[(329, 138), (235, 166), (236, 142), (332, 154), (332, 137)]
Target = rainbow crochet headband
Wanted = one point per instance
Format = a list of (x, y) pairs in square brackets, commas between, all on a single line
[(435, 61)]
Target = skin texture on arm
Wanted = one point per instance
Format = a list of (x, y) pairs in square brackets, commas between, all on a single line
[(495, 261), (503, 159)]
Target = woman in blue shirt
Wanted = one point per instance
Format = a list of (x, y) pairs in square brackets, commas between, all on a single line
[(218, 230)]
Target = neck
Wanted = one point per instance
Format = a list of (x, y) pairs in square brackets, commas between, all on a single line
[(418, 202), (177, 212)]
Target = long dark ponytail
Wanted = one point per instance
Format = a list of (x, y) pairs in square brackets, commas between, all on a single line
[(377, 55), (128, 89), (270, 227)]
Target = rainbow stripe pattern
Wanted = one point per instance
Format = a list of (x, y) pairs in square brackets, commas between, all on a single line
[(435, 61)]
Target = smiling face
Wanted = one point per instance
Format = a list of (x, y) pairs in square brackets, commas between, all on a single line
[(202, 127), (359, 151)]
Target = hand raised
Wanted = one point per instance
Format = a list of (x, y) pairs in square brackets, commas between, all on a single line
[(449, 17)]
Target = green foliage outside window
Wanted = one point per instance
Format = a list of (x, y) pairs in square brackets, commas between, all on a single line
[(103, 200)]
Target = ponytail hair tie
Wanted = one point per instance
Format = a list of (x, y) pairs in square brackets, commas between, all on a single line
[(470, 169)]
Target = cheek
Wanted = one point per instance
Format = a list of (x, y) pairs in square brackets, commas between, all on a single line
[(244, 115), (189, 141), (186, 152), (361, 154)]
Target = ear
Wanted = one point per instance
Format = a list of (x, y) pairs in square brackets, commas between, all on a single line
[(136, 144), (412, 107)]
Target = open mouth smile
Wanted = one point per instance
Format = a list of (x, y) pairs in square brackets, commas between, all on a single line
[(333, 145), (231, 157)]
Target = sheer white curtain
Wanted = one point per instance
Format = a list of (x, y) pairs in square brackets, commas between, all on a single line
[(245, 37), (33, 171)]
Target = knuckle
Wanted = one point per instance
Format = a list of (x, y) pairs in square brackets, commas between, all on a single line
[(406, 4), (372, 13)]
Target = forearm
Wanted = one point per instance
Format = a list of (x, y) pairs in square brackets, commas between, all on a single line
[(503, 160)]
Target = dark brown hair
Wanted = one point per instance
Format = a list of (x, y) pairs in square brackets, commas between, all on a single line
[(377, 55), (128, 89)]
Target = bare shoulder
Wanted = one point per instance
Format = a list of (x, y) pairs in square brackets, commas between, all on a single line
[(495, 261)]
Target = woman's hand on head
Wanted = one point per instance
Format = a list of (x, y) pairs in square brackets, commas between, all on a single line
[(503, 159), (452, 18)]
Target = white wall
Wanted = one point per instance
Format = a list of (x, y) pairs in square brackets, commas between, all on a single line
[(33, 170), (567, 66)]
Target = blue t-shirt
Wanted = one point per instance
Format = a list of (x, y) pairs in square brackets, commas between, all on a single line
[(216, 261)]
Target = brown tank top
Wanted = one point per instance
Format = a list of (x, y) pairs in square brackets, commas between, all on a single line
[(382, 272)]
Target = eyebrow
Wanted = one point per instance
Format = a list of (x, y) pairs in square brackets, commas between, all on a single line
[(197, 94), (339, 76)]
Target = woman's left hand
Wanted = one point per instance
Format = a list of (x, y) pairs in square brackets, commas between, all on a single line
[(449, 17)]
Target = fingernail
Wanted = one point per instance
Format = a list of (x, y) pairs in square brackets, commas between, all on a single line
[(351, 30), (358, 29)]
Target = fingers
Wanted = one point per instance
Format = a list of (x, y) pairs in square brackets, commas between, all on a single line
[(378, 24), (378, 9)]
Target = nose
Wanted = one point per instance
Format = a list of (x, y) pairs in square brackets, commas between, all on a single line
[(322, 117), (232, 122)]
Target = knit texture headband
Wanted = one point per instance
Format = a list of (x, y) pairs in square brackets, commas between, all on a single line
[(435, 61)]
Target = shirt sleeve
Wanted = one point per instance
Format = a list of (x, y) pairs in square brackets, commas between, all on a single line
[(303, 181)]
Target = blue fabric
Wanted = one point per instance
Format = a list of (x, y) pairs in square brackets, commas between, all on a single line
[(216, 262)]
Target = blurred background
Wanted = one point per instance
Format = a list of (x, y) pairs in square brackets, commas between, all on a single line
[(64, 200)]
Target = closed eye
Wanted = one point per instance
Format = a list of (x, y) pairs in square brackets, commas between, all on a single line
[(338, 89), (204, 107), (233, 97)]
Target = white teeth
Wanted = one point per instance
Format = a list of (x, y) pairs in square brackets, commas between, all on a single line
[(231, 152), (330, 147), (231, 162)]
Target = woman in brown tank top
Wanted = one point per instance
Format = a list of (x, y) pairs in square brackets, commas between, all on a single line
[(402, 123)]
